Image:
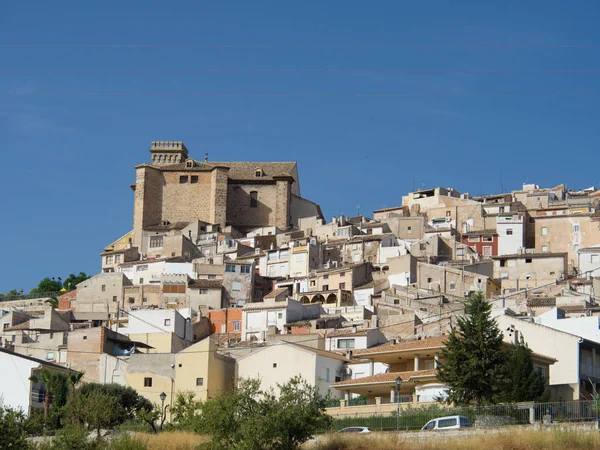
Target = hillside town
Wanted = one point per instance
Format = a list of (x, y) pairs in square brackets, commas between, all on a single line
[(229, 272)]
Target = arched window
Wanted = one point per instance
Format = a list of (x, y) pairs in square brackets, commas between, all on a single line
[(254, 199)]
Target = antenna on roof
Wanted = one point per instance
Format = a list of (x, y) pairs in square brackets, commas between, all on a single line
[(206, 157)]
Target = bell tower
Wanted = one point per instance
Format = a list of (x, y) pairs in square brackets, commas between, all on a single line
[(168, 152)]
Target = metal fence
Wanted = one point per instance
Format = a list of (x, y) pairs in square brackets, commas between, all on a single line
[(38, 295), (482, 416)]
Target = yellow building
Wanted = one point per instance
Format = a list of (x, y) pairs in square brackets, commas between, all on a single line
[(198, 368)]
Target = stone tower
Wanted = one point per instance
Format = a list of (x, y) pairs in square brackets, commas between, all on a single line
[(168, 152)]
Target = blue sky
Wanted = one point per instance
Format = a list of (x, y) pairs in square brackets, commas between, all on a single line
[(365, 121)]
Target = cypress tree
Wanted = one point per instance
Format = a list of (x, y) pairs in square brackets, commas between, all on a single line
[(524, 382), (475, 365)]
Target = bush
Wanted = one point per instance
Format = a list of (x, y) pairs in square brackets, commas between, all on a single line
[(13, 432)]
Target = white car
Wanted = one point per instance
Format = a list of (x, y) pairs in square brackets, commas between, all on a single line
[(447, 423), (355, 430)]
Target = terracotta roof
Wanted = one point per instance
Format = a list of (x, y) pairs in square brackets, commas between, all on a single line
[(368, 238), (541, 302), (263, 305), (20, 326), (205, 284), (417, 344), (389, 377), (481, 233), (275, 293), (346, 332), (370, 284), (531, 255), (321, 352)]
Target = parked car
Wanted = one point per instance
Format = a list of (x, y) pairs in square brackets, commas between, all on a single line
[(447, 423), (355, 430)]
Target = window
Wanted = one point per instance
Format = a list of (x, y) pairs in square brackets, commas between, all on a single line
[(85, 338), (203, 291), (346, 343), (199, 381), (109, 259), (156, 241), (544, 248), (245, 269), (544, 231), (422, 247), (326, 277), (145, 300), (141, 268), (114, 298), (49, 356), (325, 287), (325, 374), (280, 315), (147, 382), (230, 268), (342, 274), (284, 254), (103, 288), (274, 365), (409, 229), (167, 322), (312, 283), (117, 259), (447, 423), (131, 300), (594, 258), (258, 173), (576, 228), (141, 281), (6, 325), (183, 179), (575, 248), (528, 260), (509, 231), (174, 289), (487, 239), (194, 179), (448, 213), (236, 325), (452, 285), (236, 286), (501, 209), (342, 285), (460, 252), (429, 279), (212, 277), (254, 199), (502, 263), (473, 239)]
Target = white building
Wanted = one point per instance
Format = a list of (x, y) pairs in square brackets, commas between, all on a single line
[(151, 272), (280, 361), (585, 327), (16, 390), (160, 321), (589, 261), (511, 233), (363, 294)]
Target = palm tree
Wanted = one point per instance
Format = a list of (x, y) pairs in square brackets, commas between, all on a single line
[(74, 380), (49, 380), (52, 301)]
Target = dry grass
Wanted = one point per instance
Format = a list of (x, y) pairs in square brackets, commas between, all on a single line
[(517, 440), (175, 440)]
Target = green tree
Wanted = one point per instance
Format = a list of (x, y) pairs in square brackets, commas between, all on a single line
[(475, 367), (49, 380), (47, 285), (95, 409), (247, 418), (186, 411), (525, 383), (13, 432), (73, 280)]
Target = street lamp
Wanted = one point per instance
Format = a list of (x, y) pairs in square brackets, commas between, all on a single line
[(163, 397), (398, 384)]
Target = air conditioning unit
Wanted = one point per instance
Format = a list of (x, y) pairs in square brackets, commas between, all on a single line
[(348, 371), (466, 293)]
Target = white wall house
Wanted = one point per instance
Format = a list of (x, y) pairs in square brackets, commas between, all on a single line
[(279, 361), (511, 233), (363, 294), (277, 263), (16, 390), (142, 272), (589, 261), (160, 321), (585, 327)]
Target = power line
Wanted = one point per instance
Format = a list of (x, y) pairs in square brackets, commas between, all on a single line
[(299, 46)]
